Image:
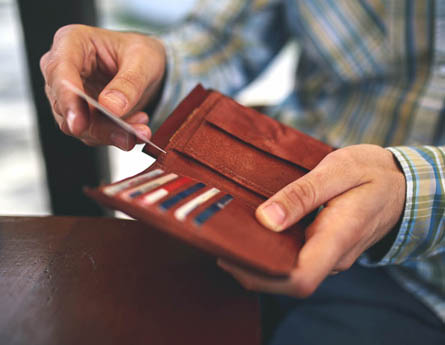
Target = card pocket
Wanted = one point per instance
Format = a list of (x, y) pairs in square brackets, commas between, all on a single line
[(257, 152), (204, 216)]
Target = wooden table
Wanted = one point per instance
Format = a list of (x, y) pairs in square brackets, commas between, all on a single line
[(67, 280)]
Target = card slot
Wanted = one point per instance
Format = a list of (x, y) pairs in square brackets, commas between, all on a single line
[(180, 198), (173, 197), (120, 186), (232, 231), (181, 213), (184, 164), (142, 188), (211, 209), (152, 197), (245, 247)]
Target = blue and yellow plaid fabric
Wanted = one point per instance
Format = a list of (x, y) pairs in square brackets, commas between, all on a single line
[(370, 71)]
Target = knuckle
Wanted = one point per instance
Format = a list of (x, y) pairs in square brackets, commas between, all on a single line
[(48, 92), (97, 134), (343, 242), (301, 194), (48, 67), (43, 61), (341, 157), (67, 30), (131, 82), (139, 41), (93, 131)]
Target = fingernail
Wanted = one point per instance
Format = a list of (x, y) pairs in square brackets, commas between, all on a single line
[(117, 98), (273, 215), (120, 140), (70, 116)]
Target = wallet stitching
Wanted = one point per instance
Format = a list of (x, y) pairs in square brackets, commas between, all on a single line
[(231, 172)]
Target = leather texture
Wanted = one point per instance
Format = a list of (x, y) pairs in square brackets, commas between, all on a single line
[(213, 139)]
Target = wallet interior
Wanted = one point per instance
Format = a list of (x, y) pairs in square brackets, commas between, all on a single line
[(234, 158)]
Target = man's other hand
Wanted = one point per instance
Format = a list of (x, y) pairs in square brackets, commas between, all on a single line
[(362, 189)]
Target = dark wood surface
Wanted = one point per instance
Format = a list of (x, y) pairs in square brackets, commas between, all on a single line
[(67, 280)]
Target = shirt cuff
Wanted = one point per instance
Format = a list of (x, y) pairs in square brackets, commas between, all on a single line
[(419, 234)]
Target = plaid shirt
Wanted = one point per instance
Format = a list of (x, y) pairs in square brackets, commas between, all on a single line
[(370, 71)]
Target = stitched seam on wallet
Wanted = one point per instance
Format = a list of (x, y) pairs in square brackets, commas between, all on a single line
[(231, 172)]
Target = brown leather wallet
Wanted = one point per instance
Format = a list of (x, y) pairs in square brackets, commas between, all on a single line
[(222, 160)]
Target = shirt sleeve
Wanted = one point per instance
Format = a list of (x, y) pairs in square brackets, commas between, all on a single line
[(223, 45), (422, 227)]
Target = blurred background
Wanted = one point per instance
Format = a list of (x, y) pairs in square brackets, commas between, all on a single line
[(25, 176)]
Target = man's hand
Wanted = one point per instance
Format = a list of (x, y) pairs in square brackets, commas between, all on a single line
[(122, 70), (363, 190)]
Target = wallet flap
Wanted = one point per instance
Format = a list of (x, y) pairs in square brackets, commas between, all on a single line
[(268, 134), (245, 146)]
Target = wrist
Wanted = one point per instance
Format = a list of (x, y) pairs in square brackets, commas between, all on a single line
[(382, 247)]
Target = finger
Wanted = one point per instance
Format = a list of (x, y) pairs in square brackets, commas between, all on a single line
[(51, 99), (254, 281), (90, 142), (330, 178), (127, 87), (140, 118), (137, 118), (316, 262), (336, 238), (365, 221), (144, 131), (103, 131), (59, 119), (68, 105), (58, 64), (74, 110), (331, 236)]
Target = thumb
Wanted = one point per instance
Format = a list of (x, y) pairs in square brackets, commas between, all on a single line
[(329, 179), (127, 87)]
